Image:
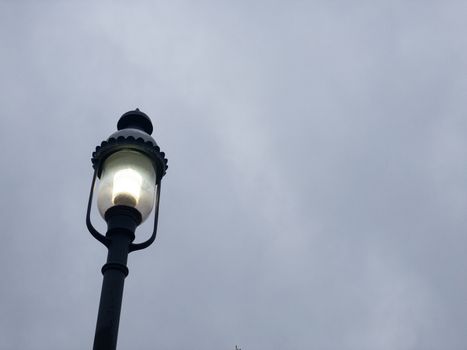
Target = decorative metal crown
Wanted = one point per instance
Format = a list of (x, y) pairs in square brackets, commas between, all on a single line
[(134, 133)]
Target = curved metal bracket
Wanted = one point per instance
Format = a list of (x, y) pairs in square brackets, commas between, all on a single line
[(138, 246), (100, 237)]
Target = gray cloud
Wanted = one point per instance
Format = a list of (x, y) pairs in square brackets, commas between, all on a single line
[(316, 194)]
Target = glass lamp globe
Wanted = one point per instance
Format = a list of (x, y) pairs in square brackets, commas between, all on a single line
[(128, 178)]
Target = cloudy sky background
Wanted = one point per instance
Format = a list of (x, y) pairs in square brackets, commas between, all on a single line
[(316, 196)]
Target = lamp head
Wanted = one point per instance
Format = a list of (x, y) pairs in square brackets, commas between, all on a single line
[(129, 165)]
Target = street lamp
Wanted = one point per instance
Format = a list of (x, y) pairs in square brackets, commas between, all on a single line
[(130, 166)]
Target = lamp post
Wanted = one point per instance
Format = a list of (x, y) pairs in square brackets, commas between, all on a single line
[(130, 166)]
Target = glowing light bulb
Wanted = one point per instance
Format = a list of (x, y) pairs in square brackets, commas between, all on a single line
[(127, 178), (126, 187)]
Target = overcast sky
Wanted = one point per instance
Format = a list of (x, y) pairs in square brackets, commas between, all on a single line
[(316, 196)]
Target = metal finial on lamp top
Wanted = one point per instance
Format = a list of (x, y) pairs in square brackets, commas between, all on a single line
[(135, 120)]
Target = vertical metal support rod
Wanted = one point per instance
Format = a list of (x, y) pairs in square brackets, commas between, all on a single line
[(121, 228)]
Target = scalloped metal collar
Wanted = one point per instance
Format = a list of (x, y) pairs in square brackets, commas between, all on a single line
[(133, 139)]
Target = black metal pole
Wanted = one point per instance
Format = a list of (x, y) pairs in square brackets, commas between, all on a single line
[(122, 222)]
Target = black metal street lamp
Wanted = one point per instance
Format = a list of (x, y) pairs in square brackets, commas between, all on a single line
[(130, 166)]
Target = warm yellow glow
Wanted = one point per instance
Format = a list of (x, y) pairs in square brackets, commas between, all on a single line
[(126, 187)]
